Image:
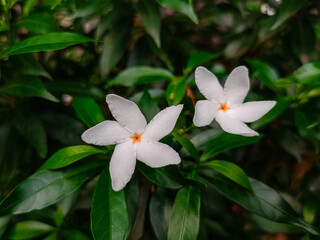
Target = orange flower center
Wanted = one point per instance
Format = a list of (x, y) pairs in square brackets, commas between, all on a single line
[(136, 138), (224, 107)]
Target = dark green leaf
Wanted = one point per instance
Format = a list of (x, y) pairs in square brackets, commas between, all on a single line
[(183, 6), (40, 23), (109, 215), (226, 141), (231, 171), (175, 92), (150, 15), (28, 65), (88, 110), (264, 72), (148, 106), (27, 87), (159, 212), (32, 129), (47, 187), (29, 229), (46, 42), (287, 8), (69, 155), (185, 216), (188, 145), (140, 74), (265, 201), (201, 57), (307, 74), (282, 104), (74, 235), (4, 221)]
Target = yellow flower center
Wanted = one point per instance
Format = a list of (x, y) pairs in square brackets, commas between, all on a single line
[(224, 107), (136, 138)]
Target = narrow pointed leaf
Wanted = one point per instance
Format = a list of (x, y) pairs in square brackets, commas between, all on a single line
[(46, 42), (188, 145), (88, 111), (185, 216), (46, 187), (69, 155), (109, 215), (29, 229), (231, 171)]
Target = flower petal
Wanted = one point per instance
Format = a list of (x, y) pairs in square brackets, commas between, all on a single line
[(162, 123), (208, 85), (105, 133), (127, 113), (122, 164), (252, 111), (205, 112), (156, 154), (233, 125), (237, 86)]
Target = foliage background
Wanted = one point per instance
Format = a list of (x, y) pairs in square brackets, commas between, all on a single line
[(53, 86)]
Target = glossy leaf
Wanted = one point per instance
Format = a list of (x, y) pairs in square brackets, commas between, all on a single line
[(149, 12), (185, 216), (88, 111), (140, 74), (282, 104), (29, 229), (46, 42), (287, 8), (182, 6), (159, 212), (69, 155), (109, 215), (226, 141), (264, 72), (307, 74), (148, 106), (175, 92), (201, 57), (27, 87), (265, 201), (231, 171), (188, 145), (46, 187)]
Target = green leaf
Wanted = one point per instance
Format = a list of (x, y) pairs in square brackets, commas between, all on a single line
[(47, 187), (74, 235), (148, 106), (282, 104), (88, 111), (287, 8), (201, 57), (4, 222), (265, 201), (176, 91), (27, 87), (109, 215), (231, 171), (40, 23), (32, 129), (188, 145), (185, 216), (114, 48), (265, 73), (151, 20), (69, 155), (307, 74), (183, 6), (29, 229), (28, 65), (140, 74), (45, 42), (226, 141), (159, 212)]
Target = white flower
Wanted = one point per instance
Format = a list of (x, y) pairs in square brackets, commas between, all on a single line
[(134, 139), (225, 105)]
